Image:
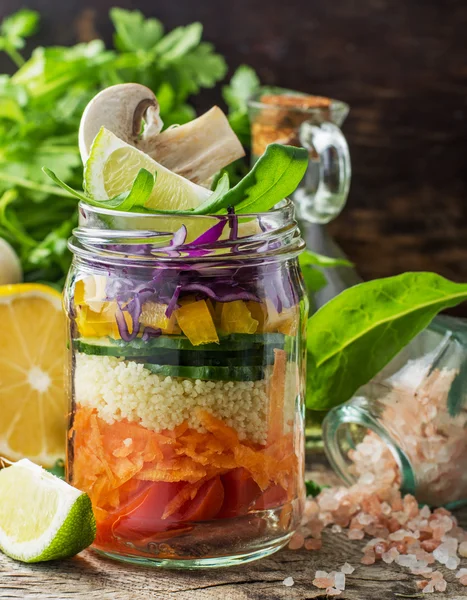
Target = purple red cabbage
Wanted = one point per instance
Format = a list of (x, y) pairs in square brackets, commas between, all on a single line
[(221, 282)]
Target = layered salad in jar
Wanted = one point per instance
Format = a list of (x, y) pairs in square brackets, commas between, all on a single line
[(187, 314)]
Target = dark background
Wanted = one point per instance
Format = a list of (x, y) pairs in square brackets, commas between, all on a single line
[(402, 67)]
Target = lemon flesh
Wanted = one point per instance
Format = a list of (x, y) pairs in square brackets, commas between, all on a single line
[(42, 517), (33, 403), (113, 165)]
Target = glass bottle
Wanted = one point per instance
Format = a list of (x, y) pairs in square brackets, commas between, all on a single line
[(407, 427), (186, 383)]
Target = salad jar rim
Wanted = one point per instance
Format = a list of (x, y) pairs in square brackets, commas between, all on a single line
[(144, 239)]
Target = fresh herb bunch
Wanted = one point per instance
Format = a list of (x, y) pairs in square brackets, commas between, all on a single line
[(42, 102)]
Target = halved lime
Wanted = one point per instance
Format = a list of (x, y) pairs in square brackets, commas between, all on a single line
[(113, 165), (41, 516)]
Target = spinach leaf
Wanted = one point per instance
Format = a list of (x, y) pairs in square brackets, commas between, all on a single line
[(313, 489), (353, 336), (274, 177), (309, 258), (135, 198)]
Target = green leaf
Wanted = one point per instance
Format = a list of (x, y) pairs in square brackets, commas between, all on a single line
[(274, 177), (313, 489), (314, 280), (127, 201), (19, 25), (308, 258), (357, 333), (243, 85), (178, 42), (58, 469), (133, 31)]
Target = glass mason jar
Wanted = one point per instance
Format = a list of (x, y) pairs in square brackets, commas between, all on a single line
[(408, 426), (187, 382)]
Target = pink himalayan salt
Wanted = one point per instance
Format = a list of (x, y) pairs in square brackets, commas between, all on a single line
[(331, 591), (463, 580), (323, 582), (369, 558), (355, 534), (441, 585), (421, 584), (460, 573), (347, 569), (463, 549), (296, 541), (311, 544)]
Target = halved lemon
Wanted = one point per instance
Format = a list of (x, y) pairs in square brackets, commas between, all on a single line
[(33, 402), (113, 165)]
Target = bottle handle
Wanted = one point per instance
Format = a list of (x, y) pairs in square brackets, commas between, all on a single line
[(323, 192)]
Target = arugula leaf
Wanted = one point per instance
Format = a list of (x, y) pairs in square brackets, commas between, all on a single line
[(135, 198), (275, 175), (133, 31), (359, 331)]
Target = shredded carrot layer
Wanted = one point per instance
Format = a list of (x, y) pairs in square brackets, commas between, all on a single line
[(111, 460)]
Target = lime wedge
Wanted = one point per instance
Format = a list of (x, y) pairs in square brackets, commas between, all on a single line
[(41, 516), (113, 165)]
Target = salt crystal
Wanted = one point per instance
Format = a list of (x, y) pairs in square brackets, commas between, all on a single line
[(336, 529), (333, 592), (408, 560), (463, 580), (390, 556), (463, 549), (339, 581), (441, 585), (425, 512), (288, 582), (347, 569), (441, 554), (461, 573), (355, 534), (368, 559), (452, 563), (367, 479), (323, 582), (321, 574), (296, 541), (429, 588), (311, 544), (421, 584)]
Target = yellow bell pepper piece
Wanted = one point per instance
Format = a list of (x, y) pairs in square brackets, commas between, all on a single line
[(153, 315), (195, 320), (236, 318), (285, 322), (258, 311)]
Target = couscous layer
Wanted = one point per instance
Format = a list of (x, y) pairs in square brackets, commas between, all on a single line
[(123, 389)]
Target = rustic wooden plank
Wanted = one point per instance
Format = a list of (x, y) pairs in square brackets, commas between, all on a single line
[(94, 578)]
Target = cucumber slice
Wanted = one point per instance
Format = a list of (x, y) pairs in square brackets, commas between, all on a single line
[(234, 342), (208, 373)]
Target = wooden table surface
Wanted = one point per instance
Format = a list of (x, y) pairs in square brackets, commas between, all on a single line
[(89, 577)]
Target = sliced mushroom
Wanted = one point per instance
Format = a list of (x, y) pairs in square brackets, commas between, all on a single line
[(120, 109), (196, 150)]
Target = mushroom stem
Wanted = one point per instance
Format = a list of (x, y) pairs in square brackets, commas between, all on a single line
[(198, 149)]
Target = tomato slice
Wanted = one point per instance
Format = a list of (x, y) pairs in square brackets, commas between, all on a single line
[(206, 504), (272, 497), (240, 493)]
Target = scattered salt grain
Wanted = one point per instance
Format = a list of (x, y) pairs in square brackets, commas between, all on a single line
[(429, 588), (460, 573), (441, 585), (311, 544), (463, 580), (330, 591), (339, 581), (296, 542), (336, 529), (288, 582), (347, 569), (390, 556), (323, 582), (452, 563), (463, 549), (355, 534)]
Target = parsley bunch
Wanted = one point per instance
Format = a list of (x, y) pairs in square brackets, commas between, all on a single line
[(42, 102)]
